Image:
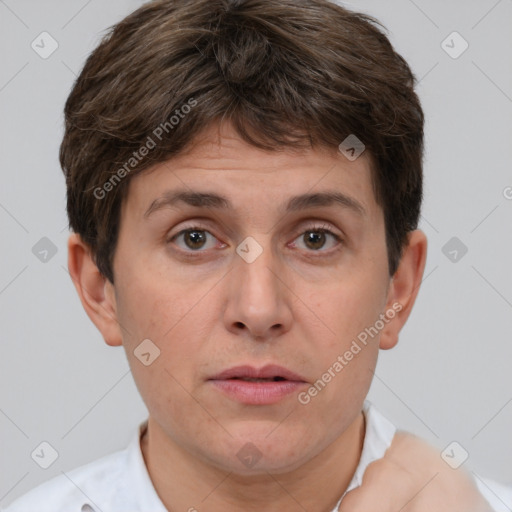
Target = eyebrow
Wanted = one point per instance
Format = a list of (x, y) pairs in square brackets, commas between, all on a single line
[(216, 201)]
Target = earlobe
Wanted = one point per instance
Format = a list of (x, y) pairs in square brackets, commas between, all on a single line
[(404, 287), (95, 291)]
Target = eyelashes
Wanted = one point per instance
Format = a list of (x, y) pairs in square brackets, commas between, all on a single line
[(195, 239)]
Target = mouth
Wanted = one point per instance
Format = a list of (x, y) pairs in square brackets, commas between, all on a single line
[(268, 373), (264, 386), (249, 379)]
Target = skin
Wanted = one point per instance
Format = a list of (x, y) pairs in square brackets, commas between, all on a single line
[(411, 477), (298, 305)]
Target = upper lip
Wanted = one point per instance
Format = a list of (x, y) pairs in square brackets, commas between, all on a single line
[(266, 372)]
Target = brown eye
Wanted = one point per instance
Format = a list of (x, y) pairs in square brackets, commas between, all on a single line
[(316, 239), (193, 239)]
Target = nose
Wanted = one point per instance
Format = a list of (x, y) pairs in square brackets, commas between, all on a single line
[(259, 299)]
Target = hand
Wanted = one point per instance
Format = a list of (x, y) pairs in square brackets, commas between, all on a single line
[(412, 477)]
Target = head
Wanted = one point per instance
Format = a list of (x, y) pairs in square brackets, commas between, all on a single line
[(225, 118)]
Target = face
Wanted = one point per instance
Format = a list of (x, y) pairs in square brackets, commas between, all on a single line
[(252, 294)]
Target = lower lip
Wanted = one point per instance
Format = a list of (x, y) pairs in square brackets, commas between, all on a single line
[(258, 393)]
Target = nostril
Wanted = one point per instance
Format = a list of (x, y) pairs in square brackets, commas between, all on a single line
[(86, 508)]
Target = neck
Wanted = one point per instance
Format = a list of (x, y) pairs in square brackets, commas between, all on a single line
[(183, 482)]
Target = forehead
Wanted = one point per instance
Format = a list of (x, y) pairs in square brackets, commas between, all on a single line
[(220, 170)]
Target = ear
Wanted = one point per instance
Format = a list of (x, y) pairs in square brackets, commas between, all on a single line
[(96, 292), (404, 287)]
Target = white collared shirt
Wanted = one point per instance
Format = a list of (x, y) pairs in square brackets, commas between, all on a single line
[(120, 482)]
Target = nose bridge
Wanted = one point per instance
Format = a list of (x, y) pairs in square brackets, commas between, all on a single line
[(258, 297), (257, 277)]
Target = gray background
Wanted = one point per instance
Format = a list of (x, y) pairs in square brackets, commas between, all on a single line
[(448, 379)]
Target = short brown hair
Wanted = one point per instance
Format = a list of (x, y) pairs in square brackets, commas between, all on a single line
[(286, 73)]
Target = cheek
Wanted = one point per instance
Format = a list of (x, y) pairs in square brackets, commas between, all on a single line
[(345, 355), (346, 345), (151, 304), (347, 308), (175, 315)]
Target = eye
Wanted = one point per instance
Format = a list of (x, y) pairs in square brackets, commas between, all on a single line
[(315, 238), (194, 239)]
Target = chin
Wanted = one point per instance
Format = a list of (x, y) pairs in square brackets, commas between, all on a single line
[(259, 450)]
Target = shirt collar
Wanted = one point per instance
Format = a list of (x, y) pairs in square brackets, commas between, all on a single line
[(378, 435), (144, 492)]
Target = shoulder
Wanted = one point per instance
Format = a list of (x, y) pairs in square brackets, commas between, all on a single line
[(95, 483)]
